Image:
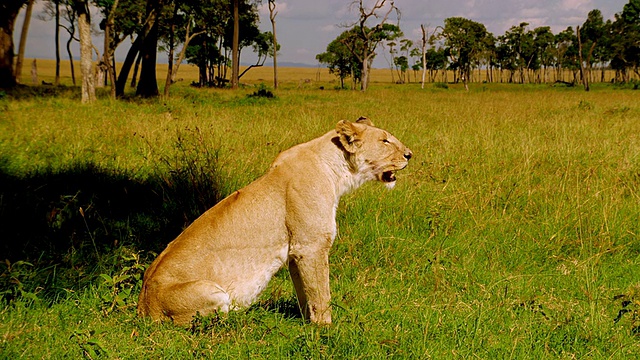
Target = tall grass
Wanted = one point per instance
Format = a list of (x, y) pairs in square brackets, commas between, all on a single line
[(513, 233)]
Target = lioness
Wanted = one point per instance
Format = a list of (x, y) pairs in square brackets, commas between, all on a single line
[(225, 258)]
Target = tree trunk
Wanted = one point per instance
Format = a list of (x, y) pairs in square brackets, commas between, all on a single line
[(73, 73), (585, 78), (365, 73), (7, 21), (187, 39), (132, 55), (148, 83), (272, 17), (7, 78), (235, 61), (172, 31), (57, 43), (136, 69), (84, 27), (23, 41), (108, 51)]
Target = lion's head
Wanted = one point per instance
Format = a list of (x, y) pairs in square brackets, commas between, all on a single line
[(373, 153)]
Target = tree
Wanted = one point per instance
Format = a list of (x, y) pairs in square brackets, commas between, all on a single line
[(235, 48), (171, 41), (465, 40), (403, 61), (62, 9), (8, 12), (423, 47), (543, 42), (566, 53), (148, 83), (625, 41), (272, 17), (23, 40), (145, 44), (211, 50), (197, 17), (366, 38), (588, 36), (86, 65), (111, 41), (340, 59)]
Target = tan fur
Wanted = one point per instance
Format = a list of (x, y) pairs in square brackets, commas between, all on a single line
[(225, 258)]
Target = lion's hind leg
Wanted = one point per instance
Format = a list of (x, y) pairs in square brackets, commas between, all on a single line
[(181, 302)]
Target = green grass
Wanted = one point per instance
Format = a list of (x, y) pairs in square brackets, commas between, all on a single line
[(513, 233)]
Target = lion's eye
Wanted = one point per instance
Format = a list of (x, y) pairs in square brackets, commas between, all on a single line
[(386, 141)]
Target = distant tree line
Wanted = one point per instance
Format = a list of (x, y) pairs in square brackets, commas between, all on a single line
[(200, 32), (466, 49)]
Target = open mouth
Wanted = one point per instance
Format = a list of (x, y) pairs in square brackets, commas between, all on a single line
[(388, 176)]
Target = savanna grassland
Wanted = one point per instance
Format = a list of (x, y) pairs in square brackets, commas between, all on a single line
[(513, 233)]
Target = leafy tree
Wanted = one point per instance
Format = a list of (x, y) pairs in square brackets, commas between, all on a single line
[(401, 63), (340, 60), (625, 44), (211, 50), (567, 53), (121, 19), (146, 39), (543, 42), (436, 61), (589, 35), (465, 40), (8, 12)]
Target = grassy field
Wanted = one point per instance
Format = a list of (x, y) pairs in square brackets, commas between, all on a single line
[(513, 233)]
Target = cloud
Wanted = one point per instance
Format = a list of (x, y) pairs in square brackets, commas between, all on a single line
[(575, 4), (328, 28)]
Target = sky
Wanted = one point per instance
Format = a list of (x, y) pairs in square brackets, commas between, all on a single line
[(305, 27)]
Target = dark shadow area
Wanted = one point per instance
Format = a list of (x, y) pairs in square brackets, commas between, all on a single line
[(23, 92), (69, 224), (287, 307)]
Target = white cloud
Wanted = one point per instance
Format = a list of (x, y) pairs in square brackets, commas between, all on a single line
[(328, 28), (576, 5)]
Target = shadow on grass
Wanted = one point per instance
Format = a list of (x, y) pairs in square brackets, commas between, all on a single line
[(69, 225), (287, 307)]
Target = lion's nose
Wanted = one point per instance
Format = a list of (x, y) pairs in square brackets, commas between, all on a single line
[(408, 154)]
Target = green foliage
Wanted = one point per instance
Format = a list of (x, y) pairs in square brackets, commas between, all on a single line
[(120, 291), (90, 346), (12, 281)]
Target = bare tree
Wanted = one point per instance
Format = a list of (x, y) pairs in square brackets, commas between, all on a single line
[(370, 37), (272, 17), (23, 40), (423, 45), (583, 75)]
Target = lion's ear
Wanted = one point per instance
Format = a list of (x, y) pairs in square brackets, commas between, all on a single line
[(349, 135), (364, 120)]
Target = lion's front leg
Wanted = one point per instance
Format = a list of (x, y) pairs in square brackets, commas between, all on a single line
[(310, 274)]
